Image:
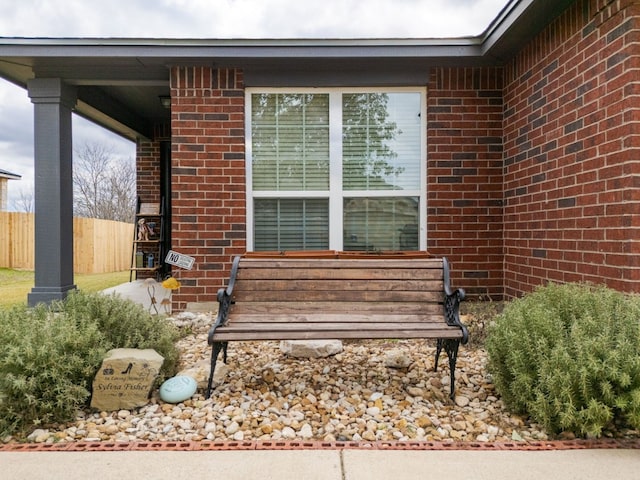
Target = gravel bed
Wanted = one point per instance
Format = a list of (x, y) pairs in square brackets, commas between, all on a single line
[(350, 396)]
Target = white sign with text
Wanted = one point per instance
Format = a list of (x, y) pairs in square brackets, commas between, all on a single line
[(179, 260)]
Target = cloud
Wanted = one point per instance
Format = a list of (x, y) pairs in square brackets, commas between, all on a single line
[(208, 19), (16, 139), (247, 18), (329, 18)]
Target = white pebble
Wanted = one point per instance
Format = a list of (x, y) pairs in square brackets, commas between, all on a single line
[(232, 428), (288, 433)]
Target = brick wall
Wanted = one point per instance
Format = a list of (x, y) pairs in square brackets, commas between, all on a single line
[(148, 170), (208, 177), (464, 168), (572, 158), (464, 217)]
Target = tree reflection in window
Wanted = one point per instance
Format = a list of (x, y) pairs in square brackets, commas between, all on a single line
[(290, 139), (381, 141)]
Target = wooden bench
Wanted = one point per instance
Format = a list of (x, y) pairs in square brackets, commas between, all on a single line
[(339, 296)]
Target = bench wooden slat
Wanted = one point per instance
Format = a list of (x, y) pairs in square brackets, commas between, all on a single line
[(383, 264), (301, 285), (337, 296), (313, 273), (330, 335), (343, 318), (272, 307), (308, 323)]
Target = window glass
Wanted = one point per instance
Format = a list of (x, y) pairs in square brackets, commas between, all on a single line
[(387, 223), (336, 169), (381, 142), (290, 141), (291, 224)]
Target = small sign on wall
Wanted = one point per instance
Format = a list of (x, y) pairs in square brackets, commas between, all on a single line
[(179, 260), (149, 209)]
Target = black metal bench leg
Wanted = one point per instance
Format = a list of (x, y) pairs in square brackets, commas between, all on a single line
[(215, 352), (438, 350), (451, 348)]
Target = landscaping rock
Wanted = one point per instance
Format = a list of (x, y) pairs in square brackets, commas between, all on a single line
[(125, 379), (311, 348), (200, 372), (397, 359), (352, 396)]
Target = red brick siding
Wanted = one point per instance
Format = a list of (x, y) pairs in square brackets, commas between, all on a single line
[(148, 171), (208, 176), (464, 170), (572, 173)]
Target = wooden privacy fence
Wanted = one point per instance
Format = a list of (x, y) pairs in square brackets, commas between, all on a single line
[(99, 246)]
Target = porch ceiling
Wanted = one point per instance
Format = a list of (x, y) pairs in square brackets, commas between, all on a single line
[(119, 80)]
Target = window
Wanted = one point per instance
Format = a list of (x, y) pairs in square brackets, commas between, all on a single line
[(336, 169)]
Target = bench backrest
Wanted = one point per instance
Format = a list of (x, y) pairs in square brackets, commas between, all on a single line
[(358, 285)]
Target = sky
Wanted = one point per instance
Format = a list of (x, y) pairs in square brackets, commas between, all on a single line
[(205, 19)]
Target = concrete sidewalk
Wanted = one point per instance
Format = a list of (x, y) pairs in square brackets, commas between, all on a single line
[(324, 465)]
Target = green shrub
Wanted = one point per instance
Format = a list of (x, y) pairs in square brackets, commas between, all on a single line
[(50, 355), (127, 325), (569, 357)]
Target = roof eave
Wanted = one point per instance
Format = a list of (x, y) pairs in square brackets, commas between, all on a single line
[(516, 24)]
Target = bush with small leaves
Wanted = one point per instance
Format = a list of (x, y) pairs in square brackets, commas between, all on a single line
[(127, 324), (49, 355), (47, 361), (569, 357)]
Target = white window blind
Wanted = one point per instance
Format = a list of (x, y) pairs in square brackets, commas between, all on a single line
[(291, 224), (290, 135), (385, 223)]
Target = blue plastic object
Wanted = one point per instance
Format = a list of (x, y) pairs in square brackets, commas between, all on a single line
[(178, 388)]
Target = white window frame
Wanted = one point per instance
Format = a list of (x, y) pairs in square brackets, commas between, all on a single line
[(336, 194)]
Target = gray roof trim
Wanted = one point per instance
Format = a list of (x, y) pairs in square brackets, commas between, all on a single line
[(179, 51), (517, 23), (9, 175), (231, 42)]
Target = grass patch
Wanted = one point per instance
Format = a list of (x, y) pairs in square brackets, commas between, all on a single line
[(16, 284)]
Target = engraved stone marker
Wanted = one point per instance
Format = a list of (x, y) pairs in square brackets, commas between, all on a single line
[(125, 379)]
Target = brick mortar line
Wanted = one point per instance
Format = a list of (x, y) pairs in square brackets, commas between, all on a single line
[(317, 445)]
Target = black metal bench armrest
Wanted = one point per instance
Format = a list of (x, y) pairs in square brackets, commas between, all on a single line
[(224, 301), (452, 300), (452, 312)]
